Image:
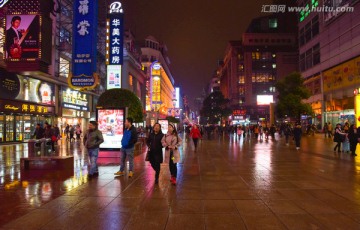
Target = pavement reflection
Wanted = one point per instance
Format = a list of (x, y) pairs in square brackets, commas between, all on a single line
[(248, 182)]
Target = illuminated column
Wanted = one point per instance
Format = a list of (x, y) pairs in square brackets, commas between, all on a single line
[(357, 107)]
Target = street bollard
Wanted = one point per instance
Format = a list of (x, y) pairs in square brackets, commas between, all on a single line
[(34, 148)]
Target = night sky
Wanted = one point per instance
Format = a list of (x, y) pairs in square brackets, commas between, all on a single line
[(196, 33)]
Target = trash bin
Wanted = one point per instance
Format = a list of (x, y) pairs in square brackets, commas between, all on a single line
[(47, 148), (34, 148)]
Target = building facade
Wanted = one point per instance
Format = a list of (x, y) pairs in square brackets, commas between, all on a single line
[(34, 80), (160, 83), (329, 59), (251, 66)]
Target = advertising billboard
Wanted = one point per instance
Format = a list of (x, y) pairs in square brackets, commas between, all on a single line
[(13, 86), (164, 125), (177, 97), (264, 99), (113, 76), (84, 45), (22, 36), (111, 124), (73, 99)]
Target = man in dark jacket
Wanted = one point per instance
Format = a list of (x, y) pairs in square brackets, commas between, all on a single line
[(155, 150), (92, 140), (39, 132), (127, 147)]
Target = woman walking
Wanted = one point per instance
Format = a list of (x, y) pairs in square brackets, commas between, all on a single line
[(353, 139), (339, 136), (155, 149), (297, 135), (195, 135), (171, 141)]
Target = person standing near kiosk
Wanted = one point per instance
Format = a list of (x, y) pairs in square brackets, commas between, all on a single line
[(128, 142)]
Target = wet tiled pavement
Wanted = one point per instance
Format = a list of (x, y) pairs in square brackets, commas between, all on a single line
[(227, 184)]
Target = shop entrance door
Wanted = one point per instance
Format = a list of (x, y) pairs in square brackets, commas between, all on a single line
[(9, 128), (19, 128)]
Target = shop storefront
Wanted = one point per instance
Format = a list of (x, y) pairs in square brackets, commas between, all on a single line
[(75, 109), (18, 119), (24, 102)]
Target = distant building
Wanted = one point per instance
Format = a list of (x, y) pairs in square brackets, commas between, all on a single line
[(251, 66), (329, 53), (160, 82)]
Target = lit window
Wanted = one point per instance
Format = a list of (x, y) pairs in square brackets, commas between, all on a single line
[(130, 80), (273, 23), (64, 67)]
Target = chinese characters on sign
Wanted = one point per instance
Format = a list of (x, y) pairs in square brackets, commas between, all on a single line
[(114, 45), (84, 46), (26, 108), (73, 99), (115, 39)]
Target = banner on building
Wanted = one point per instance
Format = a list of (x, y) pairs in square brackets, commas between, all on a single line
[(84, 74), (342, 76)]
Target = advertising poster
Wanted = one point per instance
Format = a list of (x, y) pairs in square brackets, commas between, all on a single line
[(164, 125), (111, 124), (22, 36), (113, 76)]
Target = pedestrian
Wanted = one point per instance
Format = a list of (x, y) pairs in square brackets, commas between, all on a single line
[(49, 133), (326, 129), (67, 131), (56, 132), (39, 132), (127, 148), (195, 135), (339, 137), (346, 143), (256, 131), (287, 133), (297, 135), (78, 132), (330, 128), (171, 141), (155, 149), (92, 140), (72, 132), (353, 139)]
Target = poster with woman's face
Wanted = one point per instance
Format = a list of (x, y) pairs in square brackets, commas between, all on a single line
[(111, 125)]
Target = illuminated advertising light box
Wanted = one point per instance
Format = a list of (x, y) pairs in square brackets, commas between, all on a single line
[(113, 76), (265, 99), (111, 123), (177, 97), (22, 36), (84, 39), (164, 125)]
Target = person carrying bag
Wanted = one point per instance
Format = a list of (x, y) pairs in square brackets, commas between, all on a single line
[(171, 141), (155, 154)]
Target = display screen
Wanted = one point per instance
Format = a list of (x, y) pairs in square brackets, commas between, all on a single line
[(164, 125), (265, 99), (111, 125)]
